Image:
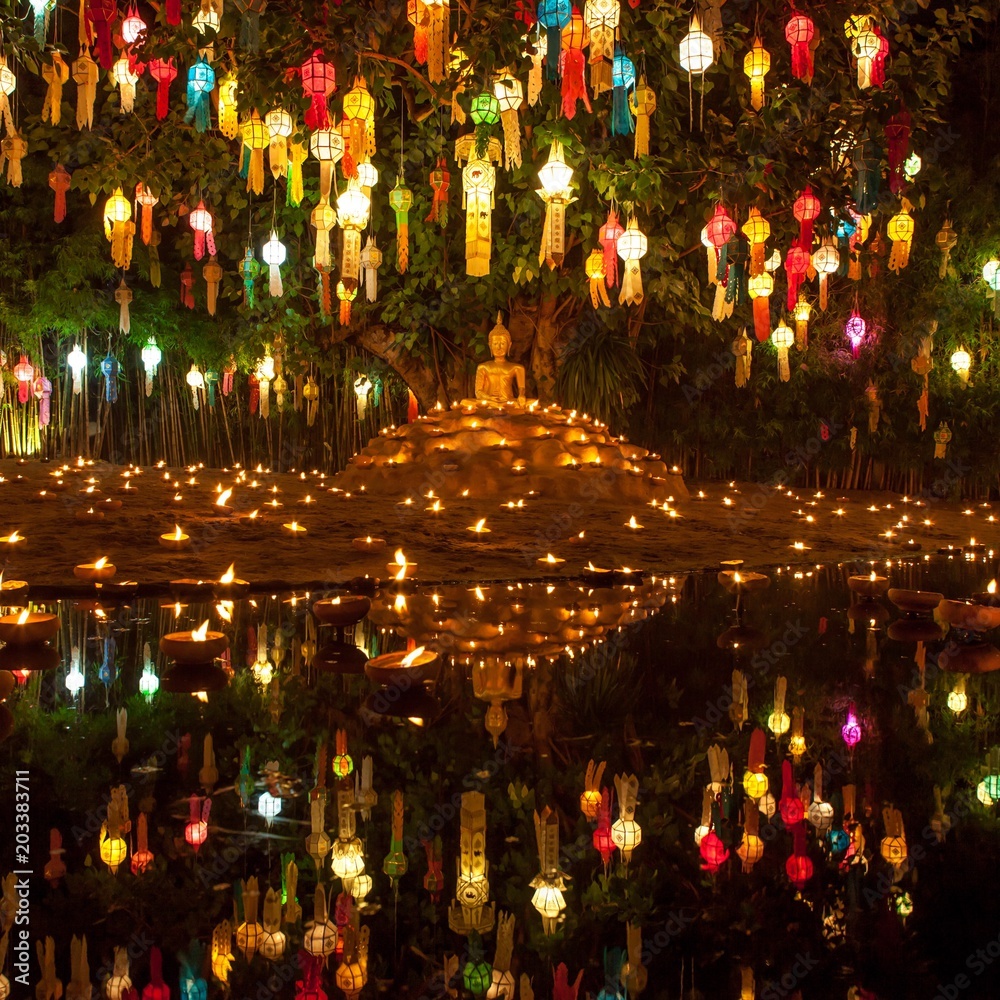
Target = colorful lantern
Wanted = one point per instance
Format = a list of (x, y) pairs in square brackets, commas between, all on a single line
[(400, 200), (353, 206), (323, 218), (897, 135), (553, 16), (371, 261), (626, 834), (855, 329), (85, 74), (200, 84), (760, 287), (118, 229), (893, 847), (961, 363), (440, 182), (248, 933), (201, 222), (622, 83), (273, 255), (608, 237), (797, 264), (196, 382), (851, 730), (555, 177), (696, 56), (59, 182), (549, 883), (24, 373), (510, 96), (596, 275), (319, 81), (632, 246), (55, 74), (109, 369), (164, 72), (714, 853), (756, 64), (196, 829), (42, 389), (472, 911), (572, 64), (102, 14), (900, 232), (77, 361), (601, 18), (327, 146), (8, 84), (320, 938), (113, 848), (478, 184), (279, 124), (756, 230), (866, 48), (825, 260), (229, 120), (782, 338), (799, 33), (255, 140), (250, 11), (642, 104)]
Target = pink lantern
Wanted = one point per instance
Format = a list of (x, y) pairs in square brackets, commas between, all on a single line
[(133, 27), (806, 209), (799, 33), (851, 729), (855, 328), (201, 222), (319, 81), (608, 236), (790, 806), (714, 852), (720, 228), (43, 393), (797, 262), (25, 375)]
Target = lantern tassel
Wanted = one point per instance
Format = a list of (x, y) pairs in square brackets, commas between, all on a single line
[(173, 12), (297, 152), (574, 86), (621, 116), (762, 321), (274, 284)]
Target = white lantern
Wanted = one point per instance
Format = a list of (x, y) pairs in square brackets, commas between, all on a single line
[(555, 177), (273, 253), (196, 381), (151, 358), (961, 363), (359, 886), (632, 246), (74, 676), (696, 51), (367, 174), (77, 361), (268, 806)]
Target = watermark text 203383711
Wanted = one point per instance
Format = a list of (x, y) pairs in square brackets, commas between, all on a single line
[(22, 871)]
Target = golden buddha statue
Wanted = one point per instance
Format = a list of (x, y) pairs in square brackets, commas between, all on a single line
[(499, 381)]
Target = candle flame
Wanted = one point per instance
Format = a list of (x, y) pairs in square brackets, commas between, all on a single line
[(101, 563), (178, 534), (224, 610), (229, 575), (200, 634), (632, 523), (368, 539), (22, 617), (480, 524), (736, 577), (411, 657), (872, 577), (14, 536), (223, 498), (991, 587), (550, 558)]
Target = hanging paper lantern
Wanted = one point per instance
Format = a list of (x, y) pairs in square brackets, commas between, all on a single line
[(42, 389), (942, 438), (797, 264), (572, 64), (400, 200), (897, 135), (59, 182), (825, 260), (371, 261), (229, 119), (196, 829), (118, 229), (478, 183), (102, 14), (801, 313), (756, 64), (212, 273), (8, 84), (109, 369), (196, 382), (961, 363), (200, 84), (714, 853), (133, 26), (642, 104), (555, 177), (207, 19), (55, 74), (622, 83), (912, 166), (626, 834), (201, 222), (958, 701), (279, 124), (865, 48), (359, 126), (596, 275), (323, 218), (485, 113), (24, 373), (41, 9), (367, 175), (991, 275), (353, 206), (268, 806), (601, 18), (319, 81), (327, 146), (900, 232), (250, 11), (782, 338), (164, 72), (608, 236), (760, 287), (806, 210), (553, 16), (855, 329), (632, 246), (696, 56), (77, 361), (851, 730), (256, 139), (799, 33), (273, 254), (756, 230), (510, 96), (799, 868)]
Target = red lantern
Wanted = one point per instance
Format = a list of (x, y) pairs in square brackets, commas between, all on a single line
[(25, 375), (142, 856), (792, 810), (608, 236), (164, 72), (799, 33), (602, 840), (806, 210), (319, 82), (721, 228), (156, 988), (196, 830), (714, 852), (797, 262), (897, 134), (572, 63), (878, 63), (201, 222), (102, 14), (799, 866), (310, 986)]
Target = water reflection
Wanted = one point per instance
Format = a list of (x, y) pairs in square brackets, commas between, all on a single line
[(809, 773)]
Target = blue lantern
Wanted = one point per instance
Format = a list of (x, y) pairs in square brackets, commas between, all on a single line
[(109, 368), (211, 381), (201, 83), (193, 986), (839, 840), (553, 16), (623, 81)]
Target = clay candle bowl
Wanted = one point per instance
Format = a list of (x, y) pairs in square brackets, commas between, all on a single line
[(195, 647), (90, 515), (479, 528), (596, 574), (551, 563), (969, 617), (14, 542), (187, 678), (95, 572), (175, 540), (13, 591), (30, 656), (401, 568), (870, 586), (348, 609), (915, 601), (741, 582), (990, 597), (368, 544), (294, 529), (917, 623), (28, 627), (403, 668), (250, 519)]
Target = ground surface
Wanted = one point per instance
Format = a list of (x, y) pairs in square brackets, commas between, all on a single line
[(760, 526)]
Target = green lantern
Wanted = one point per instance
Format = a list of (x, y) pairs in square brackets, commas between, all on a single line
[(485, 112), (477, 974), (400, 200)]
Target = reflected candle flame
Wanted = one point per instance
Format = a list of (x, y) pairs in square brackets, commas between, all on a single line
[(200, 634), (411, 657), (229, 575), (22, 617)]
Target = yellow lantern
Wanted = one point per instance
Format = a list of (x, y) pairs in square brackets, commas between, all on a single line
[(900, 231), (353, 206), (114, 850), (755, 784), (348, 860), (893, 847), (555, 178), (596, 273), (472, 910), (119, 229), (256, 139), (359, 121), (626, 834), (760, 287), (279, 126), (601, 19), (222, 951), (958, 701), (478, 183), (961, 363), (751, 847), (126, 78), (229, 124), (801, 313), (249, 933), (778, 721), (327, 146), (756, 230), (642, 102), (632, 246), (756, 64), (352, 973), (865, 47), (549, 883), (797, 741), (323, 218)]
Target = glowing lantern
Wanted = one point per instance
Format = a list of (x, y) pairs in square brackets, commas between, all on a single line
[(608, 236), (622, 81), (8, 84), (119, 984), (601, 838), (395, 863), (201, 223), (249, 932), (720, 228), (799, 868), (900, 232), (991, 275), (696, 56), (601, 18), (778, 721), (74, 676), (24, 373), (133, 26), (590, 798), (320, 938), (208, 18), (359, 124), (371, 261), (113, 847), (256, 138), (797, 264), (855, 329), (553, 16), (549, 883), (200, 84), (596, 274), (323, 218), (751, 847), (342, 764), (755, 782), (273, 255), (118, 229), (642, 103), (149, 683), (626, 834), (820, 812), (476, 973), (478, 184), (756, 230), (510, 96), (806, 208), (572, 63), (555, 177), (866, 47), (713, 851), (279, 124), (632, 246), (756, 64), (472, 910), (799, 33), (126, 78), (760, 287), (851, 730), (319, 81), (41, 9), (352, 213), (958, 701), (196, 829), (347, 856), (77, 361), (400, 200), (196, 381), (961, 363), (327, 146), (164, 72), (801, 314), (893, 847)]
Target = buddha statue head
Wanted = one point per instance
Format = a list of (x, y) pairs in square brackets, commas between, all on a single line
[(500, 342)]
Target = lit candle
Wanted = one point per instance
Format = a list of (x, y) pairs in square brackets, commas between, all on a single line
[(195, 647), (435, 508), (550, 562), (479, 528), (633, 524), (419, 665), (222, 502), (800, 546), (28, 627), (90, 515), (368, 544), (294, 529), (109, 504), (252, 518), (401, 567), (12, 541), (870, 586), (95, 572), (175, 540)]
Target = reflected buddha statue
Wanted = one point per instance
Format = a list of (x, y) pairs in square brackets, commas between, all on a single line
[(500, 382)]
